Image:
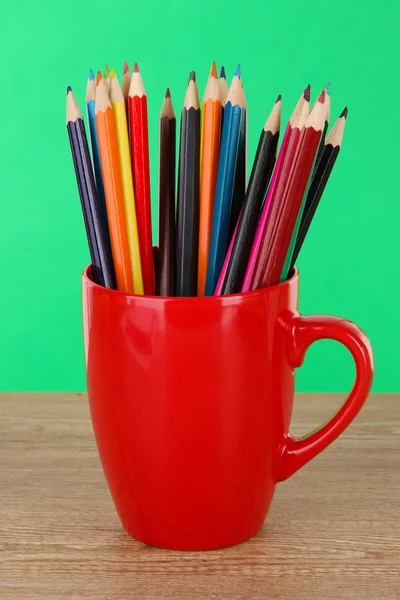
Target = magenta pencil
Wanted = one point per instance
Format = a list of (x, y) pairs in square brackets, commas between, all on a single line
[(260, 229), (296, 123), (221, 279)]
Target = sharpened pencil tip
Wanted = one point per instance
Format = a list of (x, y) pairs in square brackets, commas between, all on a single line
[(279, 98), (328, 88), (222, 73), (98, 77), (91, 75), (112, 73), (192, 76), (238, 71), (168, 93), (307, 93), (213, 70), (321, 97), (344, 113), (106, 71), (69, 89), (136, 68), (126, 67)]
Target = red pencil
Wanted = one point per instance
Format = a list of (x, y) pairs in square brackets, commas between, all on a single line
[(139, 140), (287, 197)]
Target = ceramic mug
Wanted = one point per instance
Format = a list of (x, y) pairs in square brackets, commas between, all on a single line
[(191, 400)]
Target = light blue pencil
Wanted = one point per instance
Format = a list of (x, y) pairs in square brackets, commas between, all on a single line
[(90, 105), (225, 182)]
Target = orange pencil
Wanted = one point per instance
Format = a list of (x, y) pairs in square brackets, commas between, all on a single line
[(113, 189), (210, 139)]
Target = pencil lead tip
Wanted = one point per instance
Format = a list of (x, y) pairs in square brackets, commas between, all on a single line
[(136, 68), (192, 76), (238, 71), (126, 67), (91, 75), (344, 113), (106, 71), (112, 73), (69, 89), (168, 93), (321, 97), (222, 73), (279, 98), (98, 77), (213, 70), (328, 88), (307, 93)]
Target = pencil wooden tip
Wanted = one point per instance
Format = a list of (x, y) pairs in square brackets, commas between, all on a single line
[(126, 67), (342, 114), (106, 71), (321, 97), (192, 76), (168, 93), (112, 73), (328, 88), (238, 71), (136, 68), (213, 70), (99, 77), (279, 98), (69, 89), (222, 73), (307, 93), (91, 75)]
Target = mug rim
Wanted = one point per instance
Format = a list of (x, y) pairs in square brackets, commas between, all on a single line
[(87, 277)]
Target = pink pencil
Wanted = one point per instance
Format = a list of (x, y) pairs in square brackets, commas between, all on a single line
[(296, 120)]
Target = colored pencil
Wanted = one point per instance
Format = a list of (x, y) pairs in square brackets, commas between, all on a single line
[(188, 193), (121, 128), (327, 105), (320, 178), (288, 260), (211, 134), (292, 132), (239, 188), (139, 139), (106, 78), (165, 280), (225, 182), (263, 165), (223, 93), (126, 83), (288, 194), (113, 188), (98, 77), (90, 106), (102, 265)]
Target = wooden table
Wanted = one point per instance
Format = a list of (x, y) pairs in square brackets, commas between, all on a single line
[(333, 530)]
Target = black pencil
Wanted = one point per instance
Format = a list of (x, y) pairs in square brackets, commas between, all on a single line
[(260, 175), (188, 193), (320, 178), (102, 265), (239, 189), (165, 281)]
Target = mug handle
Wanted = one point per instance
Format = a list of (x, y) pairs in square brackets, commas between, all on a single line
[(300, 332)]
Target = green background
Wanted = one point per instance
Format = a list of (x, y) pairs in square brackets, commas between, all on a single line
[(349, 262)]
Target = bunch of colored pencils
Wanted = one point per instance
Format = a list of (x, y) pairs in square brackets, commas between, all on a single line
[(222, 235)]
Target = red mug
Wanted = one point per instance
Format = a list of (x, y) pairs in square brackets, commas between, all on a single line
[(191, 400)]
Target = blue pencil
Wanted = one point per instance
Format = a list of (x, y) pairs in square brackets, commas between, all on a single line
[(225, 182), (90, 105)]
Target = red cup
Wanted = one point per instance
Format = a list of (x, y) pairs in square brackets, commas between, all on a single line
[(191, 400)]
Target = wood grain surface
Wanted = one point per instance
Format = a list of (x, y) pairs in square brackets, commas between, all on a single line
[(333, 530)]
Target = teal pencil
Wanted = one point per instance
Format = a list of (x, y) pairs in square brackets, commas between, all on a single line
[(225, 182), (90, 105)]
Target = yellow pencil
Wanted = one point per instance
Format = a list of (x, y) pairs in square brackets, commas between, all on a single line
[(118, 106)]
